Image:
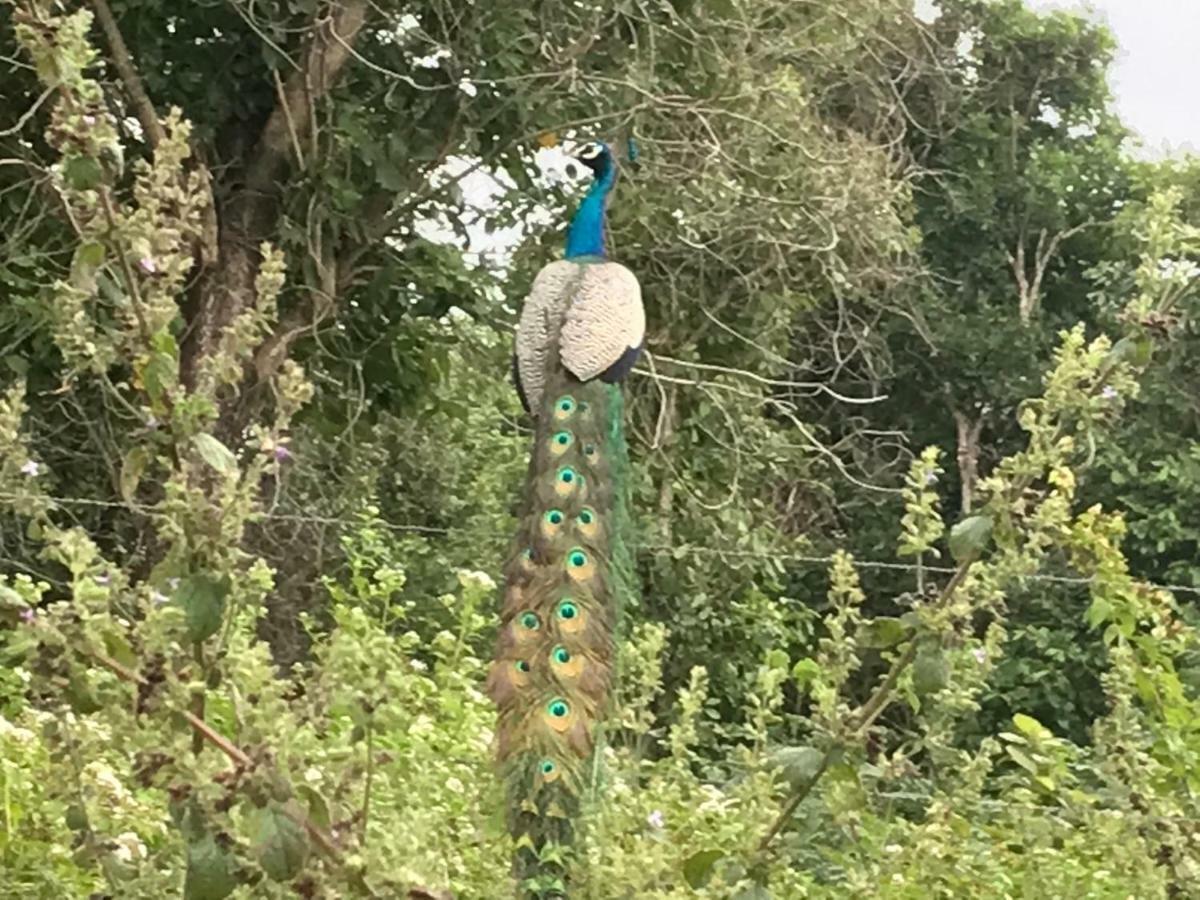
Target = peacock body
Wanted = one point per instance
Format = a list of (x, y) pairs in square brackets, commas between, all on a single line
[(580, 332)]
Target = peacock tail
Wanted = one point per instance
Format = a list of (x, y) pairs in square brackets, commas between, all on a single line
[(563, 586), (580, 332)]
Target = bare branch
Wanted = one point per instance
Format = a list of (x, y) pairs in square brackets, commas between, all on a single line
[(327, 55), (968, 433), (1029, 289), (129, 76)]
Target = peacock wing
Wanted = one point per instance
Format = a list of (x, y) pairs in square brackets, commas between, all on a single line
[(605, 320), (543, 310)]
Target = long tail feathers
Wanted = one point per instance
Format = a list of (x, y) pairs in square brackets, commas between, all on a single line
[(554, 658)]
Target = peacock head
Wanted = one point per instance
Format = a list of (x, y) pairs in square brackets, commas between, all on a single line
[(598, 157)]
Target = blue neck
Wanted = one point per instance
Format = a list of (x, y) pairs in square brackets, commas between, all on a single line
[(585, 237)]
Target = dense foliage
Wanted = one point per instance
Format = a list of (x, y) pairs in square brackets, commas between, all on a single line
[(916, 444)]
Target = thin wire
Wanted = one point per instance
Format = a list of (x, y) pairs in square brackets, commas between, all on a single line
[(998, 804), (692, 549), (153, 512)]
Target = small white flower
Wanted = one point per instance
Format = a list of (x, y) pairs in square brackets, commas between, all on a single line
[(106, 779), (312, 775), (128, 846), (716, 801), (417, 665), (1108, 392), (476, 579), (15, 732), (980, 655), (148, 265), (892, 848), (454, 784), (31, 468), (432, 60), (468, 87), (655, 819)]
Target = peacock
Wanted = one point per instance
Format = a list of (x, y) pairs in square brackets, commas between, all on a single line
[(581, 331)]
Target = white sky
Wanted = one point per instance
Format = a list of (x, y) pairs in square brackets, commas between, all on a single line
[(1157, 71)]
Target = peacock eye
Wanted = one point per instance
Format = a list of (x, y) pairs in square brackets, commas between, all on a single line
[(567, 610), (563, 438), (587, 517), (589, 450), (558, 708), (577, 559), (561, 655), (567, 475), (583, 406), (566, 405), (529, 621), (554, 517), (522, 666), (547, 767)]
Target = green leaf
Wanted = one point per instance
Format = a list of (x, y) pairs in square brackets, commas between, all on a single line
[(132, 468), (216, 454), (1028, 725), (91, 253), (1021, 759), (82, 172), (211, 872), (806, 671), (798, 764), (931, 672), (697, 868), (754, 892), (202, 597), (76, 817), (159, 375), (280, 844), (881, 633), (81, 695), (117, 647), (969, 537), (164, 342), (1134, 349), (89, 257), (1099, 612), (318, 806)]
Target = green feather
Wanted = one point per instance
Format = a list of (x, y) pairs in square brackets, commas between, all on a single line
[(568, 576)]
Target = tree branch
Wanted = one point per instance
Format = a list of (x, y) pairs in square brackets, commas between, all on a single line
[(1029, 291), (968, 433), (235, 753), (858, 722), (249, 216), (129, 76), (327, 54)]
